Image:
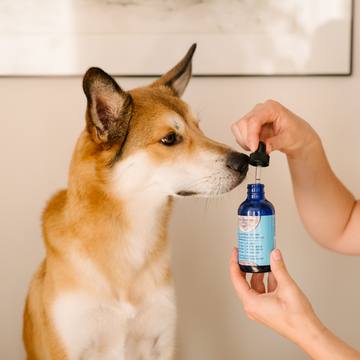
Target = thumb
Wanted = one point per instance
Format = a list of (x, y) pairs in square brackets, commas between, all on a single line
[(278, 268), (277, 142)]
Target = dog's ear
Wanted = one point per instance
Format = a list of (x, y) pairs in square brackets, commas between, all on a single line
[(178, 77), (108, 108)]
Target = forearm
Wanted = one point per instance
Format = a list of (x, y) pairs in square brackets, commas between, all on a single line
[(321, 344), (324, 204)]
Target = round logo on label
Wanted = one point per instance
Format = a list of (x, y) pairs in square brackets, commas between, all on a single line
[(248, 223)]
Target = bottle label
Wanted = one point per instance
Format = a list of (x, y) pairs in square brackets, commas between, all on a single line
[(256, 236)]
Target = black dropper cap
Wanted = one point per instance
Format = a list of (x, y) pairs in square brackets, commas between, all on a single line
[(260, 157)]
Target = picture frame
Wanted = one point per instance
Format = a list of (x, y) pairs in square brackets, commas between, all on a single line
[(148, 37)]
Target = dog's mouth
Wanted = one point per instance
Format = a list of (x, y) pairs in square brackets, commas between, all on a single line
[(219, 185), (187, 193)]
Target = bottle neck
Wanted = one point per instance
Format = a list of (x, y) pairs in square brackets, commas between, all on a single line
[(256, 191)]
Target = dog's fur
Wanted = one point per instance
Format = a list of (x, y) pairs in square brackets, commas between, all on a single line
[(104, 290)]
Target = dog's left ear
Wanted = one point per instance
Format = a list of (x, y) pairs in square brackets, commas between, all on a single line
[(108, 109), (178, 77)]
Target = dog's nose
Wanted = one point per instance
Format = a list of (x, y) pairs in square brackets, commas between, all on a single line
[(238, 162)]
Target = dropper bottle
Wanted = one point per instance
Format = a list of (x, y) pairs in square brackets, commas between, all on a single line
[(256, 231)]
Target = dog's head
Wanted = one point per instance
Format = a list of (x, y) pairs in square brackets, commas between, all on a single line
[(148, 139)]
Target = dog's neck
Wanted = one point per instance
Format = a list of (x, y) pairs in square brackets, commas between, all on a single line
[(124, 237), (131, 220), (112, 229), (124, 240)]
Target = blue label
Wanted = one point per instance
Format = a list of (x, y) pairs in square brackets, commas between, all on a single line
[(256, 239)]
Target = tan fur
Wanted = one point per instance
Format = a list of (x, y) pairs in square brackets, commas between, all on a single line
[(89, 222), (83, 212)]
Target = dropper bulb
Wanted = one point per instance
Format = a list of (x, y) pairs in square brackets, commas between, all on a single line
[(262, 147), (260, 157)]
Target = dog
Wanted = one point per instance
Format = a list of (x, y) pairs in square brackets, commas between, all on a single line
[(105, 289)]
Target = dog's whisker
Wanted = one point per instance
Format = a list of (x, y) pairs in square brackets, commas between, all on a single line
[(202, 108), (193, 182), (124, 171), (197, 185), (216, 190), (208, 199)]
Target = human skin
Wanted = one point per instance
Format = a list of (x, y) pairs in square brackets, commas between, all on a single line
[(329, 212), (285, 309)]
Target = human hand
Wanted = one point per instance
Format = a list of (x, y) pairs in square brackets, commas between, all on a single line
[(276, 126), (284, 308)]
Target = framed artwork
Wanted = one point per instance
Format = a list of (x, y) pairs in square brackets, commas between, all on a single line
[(148, 37)]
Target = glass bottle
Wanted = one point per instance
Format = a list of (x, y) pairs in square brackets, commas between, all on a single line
[(256, 234), (256, 230)]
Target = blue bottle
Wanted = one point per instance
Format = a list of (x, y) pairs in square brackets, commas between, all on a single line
[(256, 230)]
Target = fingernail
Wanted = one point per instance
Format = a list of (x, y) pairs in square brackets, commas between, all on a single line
[(276, 254), (252, 147), (269, 149)]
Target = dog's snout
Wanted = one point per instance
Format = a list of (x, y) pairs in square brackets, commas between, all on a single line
[(238, 162)]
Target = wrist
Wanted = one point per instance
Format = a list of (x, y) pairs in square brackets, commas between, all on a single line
[(316, 340), (310, 146), (313, 338)]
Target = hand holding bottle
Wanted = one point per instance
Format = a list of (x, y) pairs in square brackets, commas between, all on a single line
[(285, 309)]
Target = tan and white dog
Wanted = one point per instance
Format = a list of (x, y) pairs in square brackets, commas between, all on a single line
[(105, 289)]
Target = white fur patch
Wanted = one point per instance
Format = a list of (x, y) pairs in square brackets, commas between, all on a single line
[(204, 173), (90, 329), (152, 331), (133, 182)]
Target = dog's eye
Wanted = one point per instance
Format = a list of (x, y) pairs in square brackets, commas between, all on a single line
[(170, 139)]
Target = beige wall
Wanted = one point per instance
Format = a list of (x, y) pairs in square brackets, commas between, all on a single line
[(40, 122)]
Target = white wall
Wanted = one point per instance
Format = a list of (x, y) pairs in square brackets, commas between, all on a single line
[(40, 122)]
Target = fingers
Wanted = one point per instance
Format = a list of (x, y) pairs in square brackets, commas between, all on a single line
[(278, 269), (263, 119), (272, 283), (257, 124), (257, 283), (238, 278), (278, 276), (239, 129)]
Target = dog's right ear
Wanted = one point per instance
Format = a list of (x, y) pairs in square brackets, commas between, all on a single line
[(108, 108)]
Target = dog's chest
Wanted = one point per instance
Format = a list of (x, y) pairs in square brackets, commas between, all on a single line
[(89, 328), (124, 297)]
